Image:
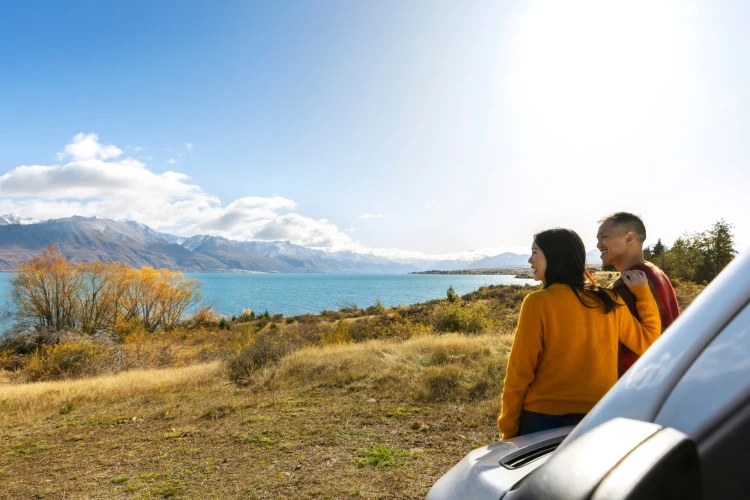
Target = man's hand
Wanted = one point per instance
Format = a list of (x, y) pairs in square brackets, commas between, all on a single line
[(634, 278)]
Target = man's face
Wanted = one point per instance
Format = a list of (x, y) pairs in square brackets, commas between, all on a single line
[(611, 242)]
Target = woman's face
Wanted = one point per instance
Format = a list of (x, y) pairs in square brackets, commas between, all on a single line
[(538, 262)]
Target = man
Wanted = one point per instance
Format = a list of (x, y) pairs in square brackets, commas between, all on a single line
[(620, 240)]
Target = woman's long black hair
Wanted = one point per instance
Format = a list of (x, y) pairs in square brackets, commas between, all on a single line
[(566, 263)]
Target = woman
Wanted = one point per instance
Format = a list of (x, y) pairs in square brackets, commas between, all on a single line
[(564, 355)]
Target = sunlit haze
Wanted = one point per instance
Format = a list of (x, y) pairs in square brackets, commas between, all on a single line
[(405, 129)]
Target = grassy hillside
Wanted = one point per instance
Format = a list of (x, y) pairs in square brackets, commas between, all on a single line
[(374, 403)]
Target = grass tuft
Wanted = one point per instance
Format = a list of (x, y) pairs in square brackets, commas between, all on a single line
[(384, 456)]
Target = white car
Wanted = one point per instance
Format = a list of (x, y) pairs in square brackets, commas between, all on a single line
[(677, 425)]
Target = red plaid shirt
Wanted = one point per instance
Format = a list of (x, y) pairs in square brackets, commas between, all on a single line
[(665, 297)]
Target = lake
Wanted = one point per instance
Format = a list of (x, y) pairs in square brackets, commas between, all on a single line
[(292, 294)]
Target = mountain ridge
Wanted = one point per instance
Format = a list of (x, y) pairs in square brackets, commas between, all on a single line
[(91, 238)]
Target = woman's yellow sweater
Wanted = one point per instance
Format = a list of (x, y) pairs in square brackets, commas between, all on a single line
[(564, 355)]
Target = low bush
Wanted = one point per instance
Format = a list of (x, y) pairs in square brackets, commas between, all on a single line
[(469, 318), (204, 317), (266, 349), (71, 358), (247, 315), (338, 335), (376, 308)]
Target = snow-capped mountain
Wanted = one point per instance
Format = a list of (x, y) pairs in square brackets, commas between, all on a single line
[(151, 234), (14, 219), (92, 238)]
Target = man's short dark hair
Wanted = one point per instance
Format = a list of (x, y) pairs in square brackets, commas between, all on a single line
[(627, 221)]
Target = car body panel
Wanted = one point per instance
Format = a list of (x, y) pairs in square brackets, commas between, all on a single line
[(479, 475), (715, 384)]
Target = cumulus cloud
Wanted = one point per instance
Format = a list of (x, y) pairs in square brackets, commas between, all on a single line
[(305, 231), (171, 161), (370, 216), (189, 147), (245, 212), (96, 180), (87, 147)]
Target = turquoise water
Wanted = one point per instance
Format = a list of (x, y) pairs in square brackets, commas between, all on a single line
[(291, 294)]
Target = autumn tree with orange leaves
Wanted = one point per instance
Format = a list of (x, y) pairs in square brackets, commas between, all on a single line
[(49, 292)]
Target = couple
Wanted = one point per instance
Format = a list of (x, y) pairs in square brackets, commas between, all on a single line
[(574, 338)]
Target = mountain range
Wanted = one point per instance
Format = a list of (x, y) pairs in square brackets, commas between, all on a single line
[(134, 243)]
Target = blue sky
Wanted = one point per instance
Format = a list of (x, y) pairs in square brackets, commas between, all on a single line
[(455, 126)]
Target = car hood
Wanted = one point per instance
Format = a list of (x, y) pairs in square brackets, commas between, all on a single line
[(479, 475)]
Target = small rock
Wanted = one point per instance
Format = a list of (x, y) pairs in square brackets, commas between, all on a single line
[(372, 400)]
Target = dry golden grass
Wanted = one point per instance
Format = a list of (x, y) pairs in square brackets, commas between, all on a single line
[(382, 419), (397, 367), (26, 402)]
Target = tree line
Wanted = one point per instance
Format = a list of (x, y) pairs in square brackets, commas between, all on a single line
[(697, 257), (50, 292)]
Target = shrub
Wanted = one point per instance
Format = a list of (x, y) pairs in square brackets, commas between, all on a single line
[(266, 349), (348, 307), (247, 315), (28, 342), (205, 316), (72, 358), (339, 335), (143, 350), (454, 318), (11, 361), (376, 308)]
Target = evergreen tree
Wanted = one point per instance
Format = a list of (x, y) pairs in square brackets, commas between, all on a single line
[(717, 245), (658, 249)]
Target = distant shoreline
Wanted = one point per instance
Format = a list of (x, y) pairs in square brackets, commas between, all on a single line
[(517, 272)]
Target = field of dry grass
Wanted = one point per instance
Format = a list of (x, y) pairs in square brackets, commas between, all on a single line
[(381, 419)]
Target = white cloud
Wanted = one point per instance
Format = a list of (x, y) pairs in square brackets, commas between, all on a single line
[(243, 215), (370, 216), (97, 182), (427, 205), (87, 147), (189, 147), (171, 161), (306, 232)]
